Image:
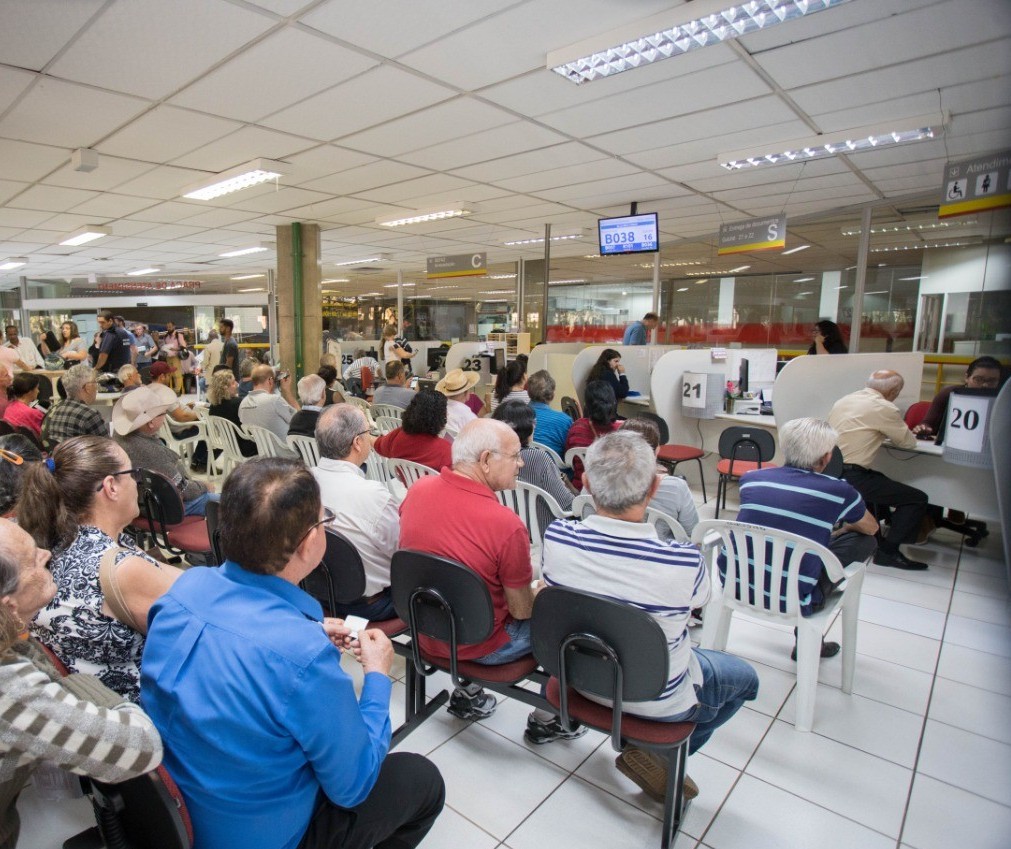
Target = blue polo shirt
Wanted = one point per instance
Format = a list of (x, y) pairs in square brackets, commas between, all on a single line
[(801, 502), (551, 427), (256, 715), (635, 334)]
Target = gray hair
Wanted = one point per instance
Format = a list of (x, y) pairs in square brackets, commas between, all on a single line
[(541, 387), (621, 468), (77, 378), (246, 367), (336, 429), (123, 375), (806, 441), (885, 382), (476, 437), (311, 390)]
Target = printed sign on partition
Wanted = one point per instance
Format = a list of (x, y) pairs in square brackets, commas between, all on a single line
[(693, 390), (966, 426), (976, 185)]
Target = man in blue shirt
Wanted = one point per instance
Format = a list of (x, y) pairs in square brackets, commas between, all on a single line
[(552, 426), (262, 730), (637, 333), (799, 499)]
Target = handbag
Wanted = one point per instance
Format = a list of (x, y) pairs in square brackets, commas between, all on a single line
[(109, 585)]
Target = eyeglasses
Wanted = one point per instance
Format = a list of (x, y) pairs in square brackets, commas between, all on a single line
[(328, 517), (136, 474), (11, 457), (514, 457), (371, 432)]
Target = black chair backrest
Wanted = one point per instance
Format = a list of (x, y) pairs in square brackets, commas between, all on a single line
[(428, 589), (142, 813), (659, 422), (570, 407), (834, 467), (145, 374), (340, 576), (747, 443), (159, 500), (212, 510), (579, 636)]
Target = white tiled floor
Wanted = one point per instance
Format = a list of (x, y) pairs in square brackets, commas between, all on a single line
[(918, 757)]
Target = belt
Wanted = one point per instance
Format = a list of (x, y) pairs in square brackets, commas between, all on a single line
[(848, 466), (374, 598)]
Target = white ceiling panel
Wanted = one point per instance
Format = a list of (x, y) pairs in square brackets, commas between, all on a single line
[(167, 213), (372, 98), (166, 133), (52, 198), (322, 161), (287, 66), (134, 47), (458, 117), (56, 112), (630, 184), (109, 206), (164, 182), (22, 218), (582, 173), (11, 188), (275, 200), (543, 159), (332, 209), (13, 83), (111, 172), (242, 146), (491, 144), (893, 114), (413, 192), (219, 218), (34, 31), (370, 176)]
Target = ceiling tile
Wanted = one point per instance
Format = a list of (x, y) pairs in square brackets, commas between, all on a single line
[(322, 161), (11, 188), (242, 146), (163, 182), (22, 218), (531, 162), (135, 47), (34, 31), (365, 177), (411, 194), (166, 133), (13, 82), (56, 112), (25, 161), (168, 212), (491, 144), (108, 205), (582, 172), (52, 198), (274, 200), (285, 67), (219, 217), (111, 172), (375, 96)]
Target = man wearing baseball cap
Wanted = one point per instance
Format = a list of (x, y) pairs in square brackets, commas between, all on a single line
[(456, 386)]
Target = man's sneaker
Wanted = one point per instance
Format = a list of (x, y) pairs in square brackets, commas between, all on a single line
[(649, 772), (479, 706), (827, 650), (545, 732), (897, 560)]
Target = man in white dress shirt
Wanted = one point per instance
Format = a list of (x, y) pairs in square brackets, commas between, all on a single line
[(365, 511), (27, 352)]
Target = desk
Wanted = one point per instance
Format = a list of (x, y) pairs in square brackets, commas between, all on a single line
[(768, 422), (947, 484)]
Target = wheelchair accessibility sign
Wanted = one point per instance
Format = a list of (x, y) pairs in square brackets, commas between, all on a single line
[(976, 185)]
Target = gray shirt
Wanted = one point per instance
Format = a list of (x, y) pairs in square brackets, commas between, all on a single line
[(266, 410), (398, 396)]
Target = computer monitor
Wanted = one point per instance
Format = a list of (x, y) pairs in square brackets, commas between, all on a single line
[(436, 358), (499, 363), (742, 384), (372, 352)]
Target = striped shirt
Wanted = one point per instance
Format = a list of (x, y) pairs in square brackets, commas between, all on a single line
[(628, 562), (800, 502), (355, 369)]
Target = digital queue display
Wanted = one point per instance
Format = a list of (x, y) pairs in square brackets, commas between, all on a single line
[(630, 234)]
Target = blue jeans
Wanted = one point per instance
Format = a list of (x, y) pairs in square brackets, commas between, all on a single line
[(376, 611), (198, 506), (518, 645), (728, 682)]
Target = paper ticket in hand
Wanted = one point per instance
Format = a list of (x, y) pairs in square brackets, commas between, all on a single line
[(355, 624)]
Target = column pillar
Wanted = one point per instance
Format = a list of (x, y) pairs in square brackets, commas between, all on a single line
[(299, 308)]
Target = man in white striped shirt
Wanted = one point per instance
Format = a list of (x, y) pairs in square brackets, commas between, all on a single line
[(616, 554)]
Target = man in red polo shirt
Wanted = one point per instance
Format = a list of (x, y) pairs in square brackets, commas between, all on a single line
[(483, 535)]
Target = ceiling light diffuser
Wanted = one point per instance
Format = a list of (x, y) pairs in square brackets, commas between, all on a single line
[(13, 262), (247, 276), (540, 241), (373, 258), (263, 246), (451, 210), (653, 39), (235, 179), (795, 250), (141, 271), (88, 233)]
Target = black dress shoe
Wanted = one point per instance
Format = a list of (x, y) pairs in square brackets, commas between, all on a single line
[(897, 560), (827, 650)]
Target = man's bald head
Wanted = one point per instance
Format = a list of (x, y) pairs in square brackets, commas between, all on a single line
[(886, 383), (261, 375)]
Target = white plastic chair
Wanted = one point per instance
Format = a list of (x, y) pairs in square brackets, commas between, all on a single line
[(362, 405), (390, 410), (571, 455), (268, 444), (305, 447), (583, 506), (407, 471), (787, 551), (183, 447), (225, 436), (386, 424), (658, 519), (524, 501), (558, 461), (376, 468)]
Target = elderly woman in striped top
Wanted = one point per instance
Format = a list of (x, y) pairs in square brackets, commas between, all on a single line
[(76, 722)]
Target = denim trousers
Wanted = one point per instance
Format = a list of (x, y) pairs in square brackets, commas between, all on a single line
[(198, 506), (727, 683), (518, 645)]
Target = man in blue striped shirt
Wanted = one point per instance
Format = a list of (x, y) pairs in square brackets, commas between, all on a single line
[(799, 499), (616, 554)]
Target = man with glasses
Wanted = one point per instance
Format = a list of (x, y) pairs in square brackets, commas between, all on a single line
[(242, 677), (456, 514), (983, 373), (264, 408), (365, 510), (74, 416)]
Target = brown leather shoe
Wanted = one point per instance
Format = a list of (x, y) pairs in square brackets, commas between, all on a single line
[(649, 772)]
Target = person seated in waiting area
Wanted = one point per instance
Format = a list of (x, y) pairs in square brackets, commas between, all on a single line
[(827, 339), (600, 417), (311, 391), (77, 505), (982, 373), (246, 376), (618, 555), (418, 437), (20, 412), (798, 498), (353, 373), (136, 419), (395, 391), (609, 369), (17, 453), (552, 427), (242, 676), (864, 420), (222, 395), (510, 383), (128, 377), (457, 386), (74, 416), (75, 723), (673, 496), (263, 407), (364, 510), (163, 374), (329, 375)]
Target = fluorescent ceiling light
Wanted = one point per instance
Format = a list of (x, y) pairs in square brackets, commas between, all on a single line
[(564, 282), (795, 250), (504, 291), (394, 285), (373, 258), (370, 295), (842, 287), (703, 280), (235, 179), (885, 291), (86, 234), (910, 228), (739, 269), (263, 246), (418, 216), (803, 280), (336, 280), (920, 128), (248, 277), (540, 241), (653, 39), (261, 289), (500, 276), (684, 288), (141, 271), (14, 262), (920, 277), (923, 246)]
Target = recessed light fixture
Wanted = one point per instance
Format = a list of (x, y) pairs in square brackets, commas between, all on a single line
[(803, 280), (501, 276), (566, 282), (910, 228), (255, 249), (88, 233), (844, 142), (13, 262), (653, 39), (502, 291), (921, 277), (247, 277), (703, 280), (683, 289), (141, 271), (364, 260), (842, 287), (235, 179), (562, 237), (336, 280), (419, 216), (394, 285), (739, 269), (795, 250), (261, 289), (924, 246), (881, 291)]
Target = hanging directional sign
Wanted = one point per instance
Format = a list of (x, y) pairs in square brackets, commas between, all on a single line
[(976, 185), (458, 265), (757, 234)]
